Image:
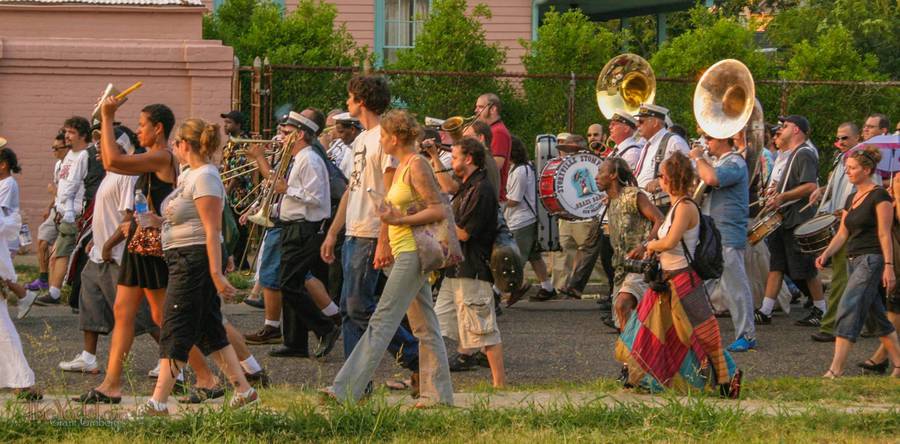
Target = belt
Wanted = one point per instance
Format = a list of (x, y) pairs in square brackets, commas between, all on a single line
[(669, 274)]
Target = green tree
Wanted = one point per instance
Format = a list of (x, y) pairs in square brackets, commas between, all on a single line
[(450, 40), (307, 36), (690, 54), (833, 57), (568, 42), (874, 27)]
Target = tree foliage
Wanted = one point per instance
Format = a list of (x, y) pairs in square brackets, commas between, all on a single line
[(451, 40), (833, 57), (568, 42), (306, 36), (690, 54)]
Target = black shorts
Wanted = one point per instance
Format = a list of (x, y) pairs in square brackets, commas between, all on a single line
[(193, 314), (787, 258)]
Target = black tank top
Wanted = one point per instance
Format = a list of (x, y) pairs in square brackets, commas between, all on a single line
[(158, 189)]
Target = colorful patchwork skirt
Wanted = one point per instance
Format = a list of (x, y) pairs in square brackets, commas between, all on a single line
[(672, 340)]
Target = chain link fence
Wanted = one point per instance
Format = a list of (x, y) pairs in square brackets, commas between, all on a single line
[(546, 103)]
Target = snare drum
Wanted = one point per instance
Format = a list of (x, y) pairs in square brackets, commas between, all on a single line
[(814, 235), (567, 187), (661, 199), (763, 227)]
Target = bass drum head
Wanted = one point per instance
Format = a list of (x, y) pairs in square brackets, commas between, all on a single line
[(575, 187), (815, 224)]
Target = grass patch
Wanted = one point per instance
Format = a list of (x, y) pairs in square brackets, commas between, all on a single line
[(240, 281), (861, 389), (698, 420)]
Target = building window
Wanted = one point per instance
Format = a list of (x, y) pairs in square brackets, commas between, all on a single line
[(402, 21)]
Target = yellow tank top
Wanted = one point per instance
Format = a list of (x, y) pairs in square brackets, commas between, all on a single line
[(400, 196)]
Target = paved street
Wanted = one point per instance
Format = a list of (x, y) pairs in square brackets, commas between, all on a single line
[(555, 341)]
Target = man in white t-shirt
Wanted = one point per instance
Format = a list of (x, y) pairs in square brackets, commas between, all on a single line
[(69, 204), (366, 249), (46, 233), (113, 205)]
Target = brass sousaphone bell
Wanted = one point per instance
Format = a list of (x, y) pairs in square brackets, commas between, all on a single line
[(624, 83), (724, 100)]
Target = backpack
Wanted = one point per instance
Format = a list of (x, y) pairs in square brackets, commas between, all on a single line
[(707, 259), (336, 179)]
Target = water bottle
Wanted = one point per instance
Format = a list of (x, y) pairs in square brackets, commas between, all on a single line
[(140, 203), (140, 208)]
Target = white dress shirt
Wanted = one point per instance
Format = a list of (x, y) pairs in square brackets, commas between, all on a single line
[(308, 195), (648, 155), (631, 155)]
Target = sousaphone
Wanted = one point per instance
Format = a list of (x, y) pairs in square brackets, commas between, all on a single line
[(724, 99), (624, 83)]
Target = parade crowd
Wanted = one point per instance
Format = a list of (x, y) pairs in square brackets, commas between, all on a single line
[(335, 218)]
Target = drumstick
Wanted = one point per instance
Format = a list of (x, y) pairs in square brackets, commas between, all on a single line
[(129, 90)]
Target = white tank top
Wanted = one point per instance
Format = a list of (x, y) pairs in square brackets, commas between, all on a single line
[(674, 258)]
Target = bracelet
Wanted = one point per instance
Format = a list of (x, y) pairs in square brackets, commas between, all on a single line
[(888, 263), (443, 170)]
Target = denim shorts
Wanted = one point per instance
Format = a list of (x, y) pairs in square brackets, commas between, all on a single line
[(270, 262), (861, 299)]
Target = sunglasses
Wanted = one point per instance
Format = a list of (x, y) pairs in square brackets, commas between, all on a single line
[(842, 138)]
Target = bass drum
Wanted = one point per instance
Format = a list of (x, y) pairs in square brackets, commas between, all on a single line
[(814, 235), (568, 188)]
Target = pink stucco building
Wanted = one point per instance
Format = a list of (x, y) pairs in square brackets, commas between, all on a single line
[(384, 25), (56, 57)]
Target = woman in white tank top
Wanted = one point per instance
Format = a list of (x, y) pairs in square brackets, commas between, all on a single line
[(680, 306)]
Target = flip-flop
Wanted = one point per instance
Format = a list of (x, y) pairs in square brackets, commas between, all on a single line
[(394, 384), (94, 396)]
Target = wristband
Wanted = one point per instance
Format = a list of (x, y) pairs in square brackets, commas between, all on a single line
[(443, 170)]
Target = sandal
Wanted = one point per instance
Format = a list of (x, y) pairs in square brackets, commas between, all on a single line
[(394, 384), (872, 366), (94, 396), (831, 374), (197, 395)]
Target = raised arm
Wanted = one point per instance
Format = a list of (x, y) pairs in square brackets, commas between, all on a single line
[(114, 159)]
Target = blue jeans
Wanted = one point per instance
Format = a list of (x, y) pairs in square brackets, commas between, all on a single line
[(358, 301), (407, 291), (861, 299)]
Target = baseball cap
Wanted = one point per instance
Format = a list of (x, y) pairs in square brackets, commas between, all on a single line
[(235, 115), (798, 120)]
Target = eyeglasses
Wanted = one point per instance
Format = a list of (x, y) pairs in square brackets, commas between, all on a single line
[(842, 138), (870, 126)]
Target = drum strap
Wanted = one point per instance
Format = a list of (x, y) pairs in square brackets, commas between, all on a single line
[(661, 153), (525, 197)]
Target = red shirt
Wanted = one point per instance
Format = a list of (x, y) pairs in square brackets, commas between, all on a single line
[(501, 145)]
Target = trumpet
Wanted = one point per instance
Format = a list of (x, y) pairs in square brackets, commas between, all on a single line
[(457, 125), (242, 141)]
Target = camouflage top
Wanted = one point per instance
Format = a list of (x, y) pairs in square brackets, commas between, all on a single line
[(627, 228)]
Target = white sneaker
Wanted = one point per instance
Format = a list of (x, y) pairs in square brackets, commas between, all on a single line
[(26, 303), (79, 365)]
